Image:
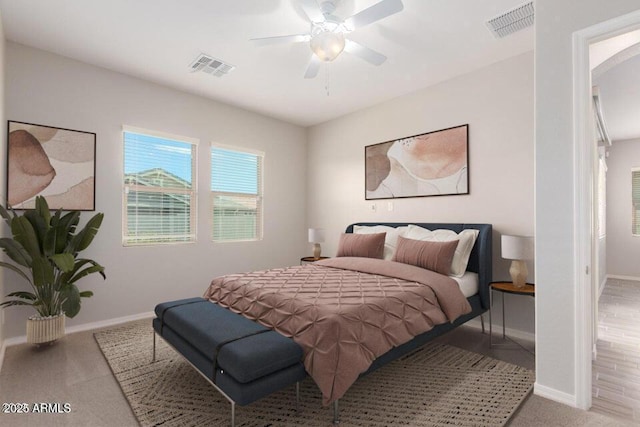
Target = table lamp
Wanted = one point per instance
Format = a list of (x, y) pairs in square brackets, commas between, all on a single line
[(518, 249), (316, 236)]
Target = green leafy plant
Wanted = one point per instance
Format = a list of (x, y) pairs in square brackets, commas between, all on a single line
[(44, 250)]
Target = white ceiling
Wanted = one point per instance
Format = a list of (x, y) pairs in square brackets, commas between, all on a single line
[(620, 99), (428, 42), (615, 64), (602, 51)]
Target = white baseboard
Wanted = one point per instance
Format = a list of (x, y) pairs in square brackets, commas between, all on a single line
[(601, 286), (555, 395), (620, 277), (84, 327), (513, 333)]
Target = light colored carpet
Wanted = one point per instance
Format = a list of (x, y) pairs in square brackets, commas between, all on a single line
[(436, 385)]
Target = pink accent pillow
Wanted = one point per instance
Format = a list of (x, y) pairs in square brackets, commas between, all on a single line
[(361, 245), (434, 256)]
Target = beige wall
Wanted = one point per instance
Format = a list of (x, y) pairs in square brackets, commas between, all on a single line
[(623, 249), (497, 103), (48, 89), (557, 363)]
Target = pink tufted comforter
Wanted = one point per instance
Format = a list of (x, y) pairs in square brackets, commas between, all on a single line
[(344, 312)]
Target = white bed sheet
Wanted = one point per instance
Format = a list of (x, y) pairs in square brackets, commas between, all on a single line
[(468, 283)]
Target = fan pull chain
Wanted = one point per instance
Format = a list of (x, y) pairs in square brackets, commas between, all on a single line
[(327, 79)]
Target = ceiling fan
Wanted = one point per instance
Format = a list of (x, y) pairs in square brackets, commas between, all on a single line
[(327, 36)]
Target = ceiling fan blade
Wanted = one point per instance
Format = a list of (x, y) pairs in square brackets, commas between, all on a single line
[(313, 68), (363, 52), (312, 10), (293, 38), (374, 13)]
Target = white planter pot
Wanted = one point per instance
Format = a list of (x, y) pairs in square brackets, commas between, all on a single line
[(45, 329)]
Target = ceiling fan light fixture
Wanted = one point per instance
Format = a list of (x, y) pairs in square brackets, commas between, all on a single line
[(326, 37), (327, 45)]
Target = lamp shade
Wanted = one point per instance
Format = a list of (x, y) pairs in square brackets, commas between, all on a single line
[(517, 247), (316, 235)]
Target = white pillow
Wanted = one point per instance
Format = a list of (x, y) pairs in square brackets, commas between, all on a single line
[(466, 239), (391, 239)]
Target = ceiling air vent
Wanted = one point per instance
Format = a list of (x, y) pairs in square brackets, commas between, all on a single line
[(210, 65), (511, 21)]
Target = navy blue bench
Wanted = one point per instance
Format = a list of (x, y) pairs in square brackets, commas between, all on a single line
[(242, 359)]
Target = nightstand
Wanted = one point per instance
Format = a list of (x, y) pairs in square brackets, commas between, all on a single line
[(307, 259), (507, 288)]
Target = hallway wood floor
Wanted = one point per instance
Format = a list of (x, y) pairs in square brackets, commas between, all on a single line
[(616, 370)]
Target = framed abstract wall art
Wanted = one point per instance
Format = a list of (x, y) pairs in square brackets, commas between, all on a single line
[(58, 164), (430, 164)]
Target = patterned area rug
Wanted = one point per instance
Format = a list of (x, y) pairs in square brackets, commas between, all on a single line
[(435, 385)]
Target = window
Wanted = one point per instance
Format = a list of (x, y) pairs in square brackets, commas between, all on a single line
[(635, 201), (159, 197), (236, 194)]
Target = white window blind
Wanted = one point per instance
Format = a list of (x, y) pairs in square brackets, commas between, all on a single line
[(159, 197), (635, 201), (236, 194)]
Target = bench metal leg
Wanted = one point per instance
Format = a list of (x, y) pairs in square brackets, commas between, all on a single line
[(336, 413), (482, 322), (233, 404)]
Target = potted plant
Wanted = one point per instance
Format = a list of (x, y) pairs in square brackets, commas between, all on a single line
[(44, 248)]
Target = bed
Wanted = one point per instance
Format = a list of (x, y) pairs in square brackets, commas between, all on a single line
[(354, 313)]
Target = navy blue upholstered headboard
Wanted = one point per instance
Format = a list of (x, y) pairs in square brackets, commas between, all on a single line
[(480, 260)]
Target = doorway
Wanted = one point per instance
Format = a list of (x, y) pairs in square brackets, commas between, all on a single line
[(585, 186), (615, 74)]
